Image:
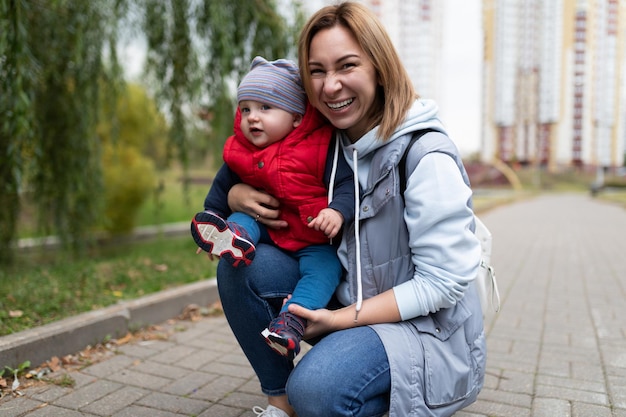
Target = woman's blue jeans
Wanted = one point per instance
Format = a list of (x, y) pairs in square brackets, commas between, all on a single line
[(320, 269), (345, 374)]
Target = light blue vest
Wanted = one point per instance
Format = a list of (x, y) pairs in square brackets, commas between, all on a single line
[(441, 368)]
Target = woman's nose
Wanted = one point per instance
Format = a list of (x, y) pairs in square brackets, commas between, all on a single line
[(332, 84)]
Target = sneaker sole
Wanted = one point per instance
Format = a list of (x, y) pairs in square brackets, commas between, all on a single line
[(212, 234), (278, 344)]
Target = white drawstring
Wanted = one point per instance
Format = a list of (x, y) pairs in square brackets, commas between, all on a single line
[(333, 174), (357, 198)]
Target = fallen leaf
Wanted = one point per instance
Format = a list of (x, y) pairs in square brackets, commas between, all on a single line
[(54, 364), (124, 339), (160, 267), (16, 313)]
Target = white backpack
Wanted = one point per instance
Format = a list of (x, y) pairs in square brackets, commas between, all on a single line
[(486, 284), (486, 280)]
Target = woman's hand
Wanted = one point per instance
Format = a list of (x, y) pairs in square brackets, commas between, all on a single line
[(381, 308), (258, 204), (319, 322)]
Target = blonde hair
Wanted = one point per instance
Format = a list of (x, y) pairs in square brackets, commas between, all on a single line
[(395, 93)]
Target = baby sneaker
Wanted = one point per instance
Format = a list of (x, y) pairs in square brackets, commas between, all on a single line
[(225, 239), (285, 333)]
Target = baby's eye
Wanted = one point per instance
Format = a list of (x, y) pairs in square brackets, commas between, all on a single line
[(244, 109), (266, 107)]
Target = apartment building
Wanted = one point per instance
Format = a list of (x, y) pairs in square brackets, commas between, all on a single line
[(553, 82), (415, 28)]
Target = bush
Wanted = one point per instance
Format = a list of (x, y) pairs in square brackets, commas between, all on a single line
[(129, 179)]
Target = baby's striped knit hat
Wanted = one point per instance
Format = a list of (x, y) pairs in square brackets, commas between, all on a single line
[(276, 83)]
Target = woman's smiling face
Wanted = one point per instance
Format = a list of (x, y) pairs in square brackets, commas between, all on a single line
[(343, 80)]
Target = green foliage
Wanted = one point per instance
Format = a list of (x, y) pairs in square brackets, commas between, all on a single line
[(199, 50), (129, 157), (48, 286), (134, 120), (17, 371), (53, 54), (129, 179), (60, 74), (16, 126), (65, 381)]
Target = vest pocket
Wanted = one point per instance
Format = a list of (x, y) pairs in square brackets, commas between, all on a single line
[(448, 369)]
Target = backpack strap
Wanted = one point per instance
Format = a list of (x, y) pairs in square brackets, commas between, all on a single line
[(486, 280), (402, 164)]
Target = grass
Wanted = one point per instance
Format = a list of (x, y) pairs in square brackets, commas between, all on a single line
[(171, 203), (47, 285)]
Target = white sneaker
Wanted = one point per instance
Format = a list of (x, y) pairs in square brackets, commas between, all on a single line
[(270, 411)]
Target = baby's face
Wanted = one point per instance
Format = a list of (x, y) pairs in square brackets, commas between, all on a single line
[(263, 124)]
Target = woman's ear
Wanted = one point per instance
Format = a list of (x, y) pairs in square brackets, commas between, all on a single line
[(297, 119)]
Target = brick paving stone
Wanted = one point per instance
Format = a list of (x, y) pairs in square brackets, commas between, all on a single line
[(551, 407), (52, 411), (174, 354), (619, 412), (87, 394), (173, 403), (221, 411), (191, 383), (139, 411), (137, 351), (227, 369), (109, 366), (131, 376), (48, 393), (159, 369), (200, 358), (14, 407), (221, 387), (115, 401), (580, 409), (556, 349)]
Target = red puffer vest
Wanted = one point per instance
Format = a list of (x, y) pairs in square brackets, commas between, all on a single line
[(291, 170)]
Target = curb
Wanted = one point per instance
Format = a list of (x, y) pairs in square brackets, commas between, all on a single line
[(73, 334)]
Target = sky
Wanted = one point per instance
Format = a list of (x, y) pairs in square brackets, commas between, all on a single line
[(460, 104)]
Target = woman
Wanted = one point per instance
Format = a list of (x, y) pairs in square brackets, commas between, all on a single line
[(408, 337)]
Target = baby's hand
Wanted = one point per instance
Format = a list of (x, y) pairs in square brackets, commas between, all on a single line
[(328, 221)]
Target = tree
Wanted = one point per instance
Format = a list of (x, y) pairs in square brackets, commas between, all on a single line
[(134, 151), (58, 57), (16, 78), (202, 66), (52, 53)]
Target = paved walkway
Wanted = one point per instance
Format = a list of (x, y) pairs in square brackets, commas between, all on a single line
[(556, 349)]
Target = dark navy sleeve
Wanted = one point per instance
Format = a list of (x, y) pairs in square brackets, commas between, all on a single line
[(343, 195), (217, 197)]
